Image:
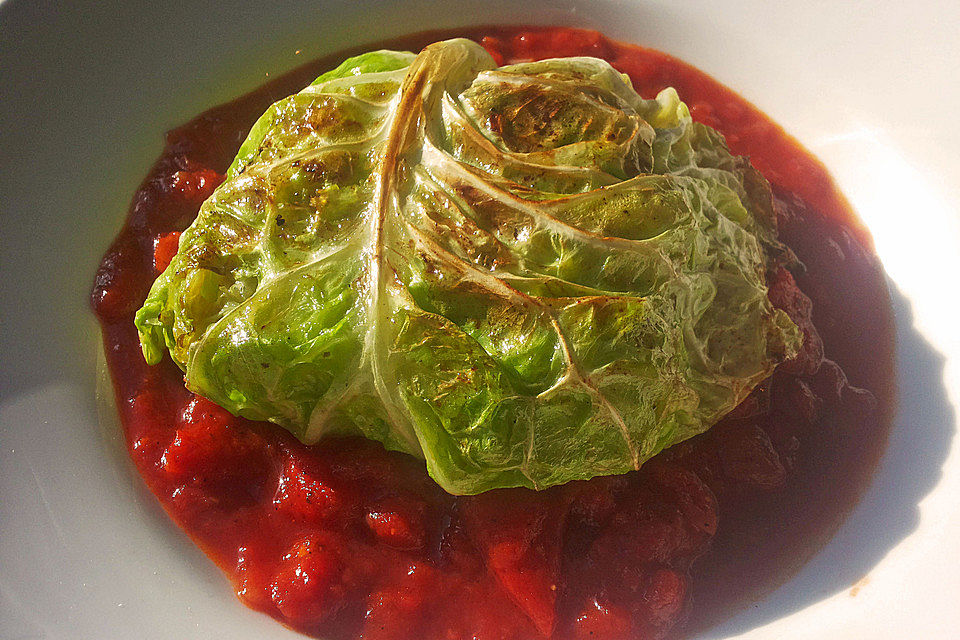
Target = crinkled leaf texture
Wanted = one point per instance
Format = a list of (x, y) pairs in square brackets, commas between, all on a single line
[(525, 275)]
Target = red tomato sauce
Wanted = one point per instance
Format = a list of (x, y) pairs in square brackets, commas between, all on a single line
[(344, 540)]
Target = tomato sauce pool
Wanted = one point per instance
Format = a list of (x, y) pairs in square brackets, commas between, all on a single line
[(345, 540)]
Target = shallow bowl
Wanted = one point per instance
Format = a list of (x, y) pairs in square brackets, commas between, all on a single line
[(87, 91)]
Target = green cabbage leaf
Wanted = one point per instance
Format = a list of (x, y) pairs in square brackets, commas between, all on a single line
[(524, 275)]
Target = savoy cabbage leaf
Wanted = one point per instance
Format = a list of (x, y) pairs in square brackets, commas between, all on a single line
[(525, 275)]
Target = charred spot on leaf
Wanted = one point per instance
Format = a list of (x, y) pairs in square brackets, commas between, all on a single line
[(495, 122), (334, 167), (206, 256)]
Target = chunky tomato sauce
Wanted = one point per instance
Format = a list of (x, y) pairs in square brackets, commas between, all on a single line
[(345, 540)]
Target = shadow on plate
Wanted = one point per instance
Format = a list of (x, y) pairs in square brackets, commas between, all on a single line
[(888, 512)]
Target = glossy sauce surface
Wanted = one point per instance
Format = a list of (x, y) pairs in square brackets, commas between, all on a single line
[(345, 540)]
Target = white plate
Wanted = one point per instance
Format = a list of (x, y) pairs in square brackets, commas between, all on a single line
[(87, 92)]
